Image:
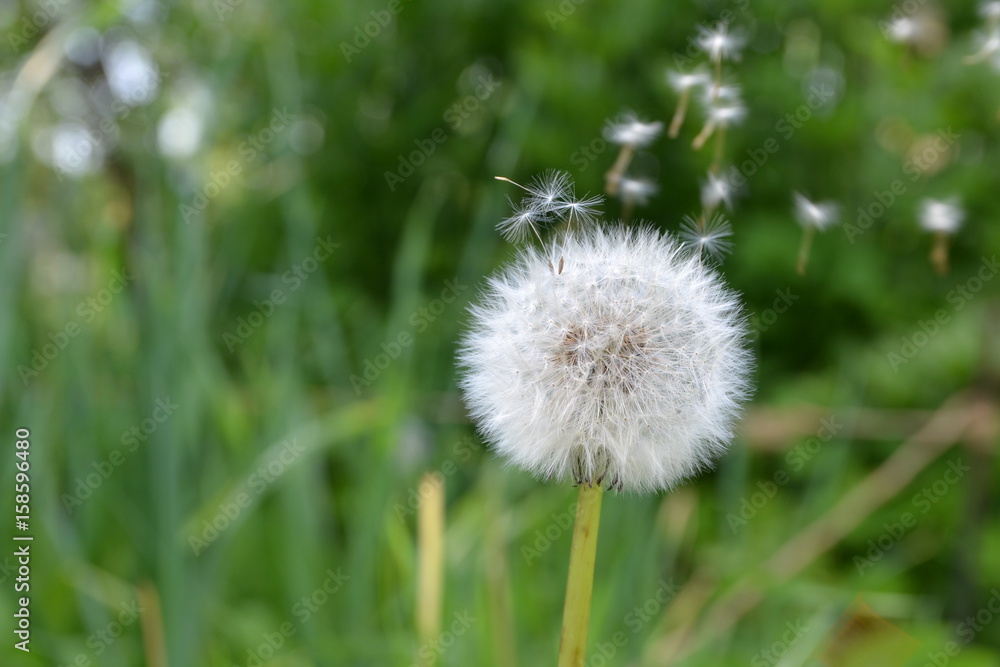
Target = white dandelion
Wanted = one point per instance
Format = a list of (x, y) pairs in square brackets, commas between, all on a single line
[(629, 367)]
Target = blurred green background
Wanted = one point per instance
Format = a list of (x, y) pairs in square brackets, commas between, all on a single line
[(237, 241)]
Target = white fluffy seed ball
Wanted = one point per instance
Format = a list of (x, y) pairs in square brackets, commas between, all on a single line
[(628, 367)]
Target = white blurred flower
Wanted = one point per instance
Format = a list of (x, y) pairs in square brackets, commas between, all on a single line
[(70, 149), (633, 132), (818, 215), (905, 30), (628, 368), (131, 72), (181, 130), (720, 44), (941, 215), (636, 191), (990, 11), (709, 238)]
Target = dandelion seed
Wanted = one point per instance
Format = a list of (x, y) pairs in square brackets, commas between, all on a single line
[(524, 221), (684, 83), (583, 210), (707, 238), (811, 214), (636, 191), (719, 116), (632, 134), (717, 190), (904, 30), (942, 217), (989, 47), (812, 217), (720, 44)]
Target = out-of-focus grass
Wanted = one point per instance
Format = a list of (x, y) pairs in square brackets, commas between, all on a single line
[(339, 505)]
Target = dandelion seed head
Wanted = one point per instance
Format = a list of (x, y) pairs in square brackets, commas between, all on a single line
[(709, 238), (812, 214), (941, 215), (630, 367)]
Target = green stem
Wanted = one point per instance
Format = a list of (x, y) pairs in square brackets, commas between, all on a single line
[(580, 583)]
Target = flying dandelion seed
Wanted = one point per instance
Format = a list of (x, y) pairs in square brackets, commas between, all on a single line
[(709, 238), (631, 134), (943, 218), (813, 217)]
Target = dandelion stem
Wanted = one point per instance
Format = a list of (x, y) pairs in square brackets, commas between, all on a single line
[(804, 249), (580, 583), (614, 175), (704, 135), (679, 114), (720, 142), (430, 536), (939, 253)]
